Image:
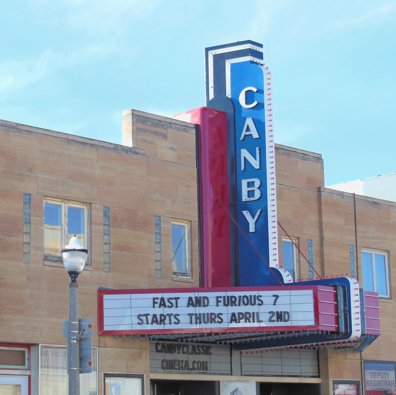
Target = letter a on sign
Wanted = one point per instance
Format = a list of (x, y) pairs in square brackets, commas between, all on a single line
[(249, 129)]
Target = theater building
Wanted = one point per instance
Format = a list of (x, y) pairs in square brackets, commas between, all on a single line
[(138, 208)]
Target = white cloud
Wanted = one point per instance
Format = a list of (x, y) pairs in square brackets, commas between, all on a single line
[(264, 16), (18, 74), (101, 24), (374, 15), (92, 16)]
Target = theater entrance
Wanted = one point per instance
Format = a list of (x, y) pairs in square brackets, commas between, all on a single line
[(170, 387), (288, 389), (176, 387)]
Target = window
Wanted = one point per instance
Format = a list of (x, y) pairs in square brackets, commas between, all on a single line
[(290, 257), (379, 377), (53, 372), (375, 272), (181, 261), (62, 220), (14, 357), (117, 384)]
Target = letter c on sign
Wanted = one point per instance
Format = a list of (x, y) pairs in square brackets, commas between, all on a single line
[(242, 97)]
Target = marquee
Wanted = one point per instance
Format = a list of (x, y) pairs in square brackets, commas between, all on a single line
[(223, 310), (247, 300)]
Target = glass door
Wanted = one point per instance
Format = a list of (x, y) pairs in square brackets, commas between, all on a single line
[(14, 385)]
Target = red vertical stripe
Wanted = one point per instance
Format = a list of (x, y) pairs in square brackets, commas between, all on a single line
[(215, 223)]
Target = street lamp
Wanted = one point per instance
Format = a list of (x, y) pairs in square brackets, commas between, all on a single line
[(74, 256)]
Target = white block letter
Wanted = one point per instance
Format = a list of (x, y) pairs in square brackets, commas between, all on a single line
[(252, 129), (255, 189), (252, 221), (242, 97), (255, 162)]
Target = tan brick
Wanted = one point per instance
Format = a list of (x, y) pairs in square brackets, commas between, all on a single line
[(67, 189)]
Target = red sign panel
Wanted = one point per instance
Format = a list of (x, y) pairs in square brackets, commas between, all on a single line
[(213, 185)]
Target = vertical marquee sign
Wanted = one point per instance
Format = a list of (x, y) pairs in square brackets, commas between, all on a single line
[(236, 71), (244, 298)]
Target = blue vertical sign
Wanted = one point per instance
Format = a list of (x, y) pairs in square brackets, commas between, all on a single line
[(237, 71), (246, 92)]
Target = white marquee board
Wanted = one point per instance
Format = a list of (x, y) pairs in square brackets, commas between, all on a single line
[(194, 312)]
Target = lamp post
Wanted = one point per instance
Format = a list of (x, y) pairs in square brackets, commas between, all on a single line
[(74, 257)]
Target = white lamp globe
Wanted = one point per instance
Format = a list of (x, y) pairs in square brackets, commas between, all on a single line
[(74, 255)]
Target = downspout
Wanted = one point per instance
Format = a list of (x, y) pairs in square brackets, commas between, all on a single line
[(357, 278), (321, 232)]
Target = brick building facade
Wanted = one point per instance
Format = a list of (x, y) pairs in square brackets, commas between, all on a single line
[(130, 197)]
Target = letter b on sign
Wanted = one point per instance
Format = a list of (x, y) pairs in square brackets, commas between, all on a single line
[(248, 190)]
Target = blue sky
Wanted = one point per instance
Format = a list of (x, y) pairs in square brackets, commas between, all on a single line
[(75, 65)]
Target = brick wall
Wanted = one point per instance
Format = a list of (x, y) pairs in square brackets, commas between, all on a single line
[(154, 176)]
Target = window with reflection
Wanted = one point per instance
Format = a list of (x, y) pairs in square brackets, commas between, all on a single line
[(290, 256), (181, 263), (375, 272), (63, 220)]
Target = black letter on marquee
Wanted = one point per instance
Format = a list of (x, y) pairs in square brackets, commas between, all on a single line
[(233, 318), (279, 316), (272, 315), (190, 302)]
